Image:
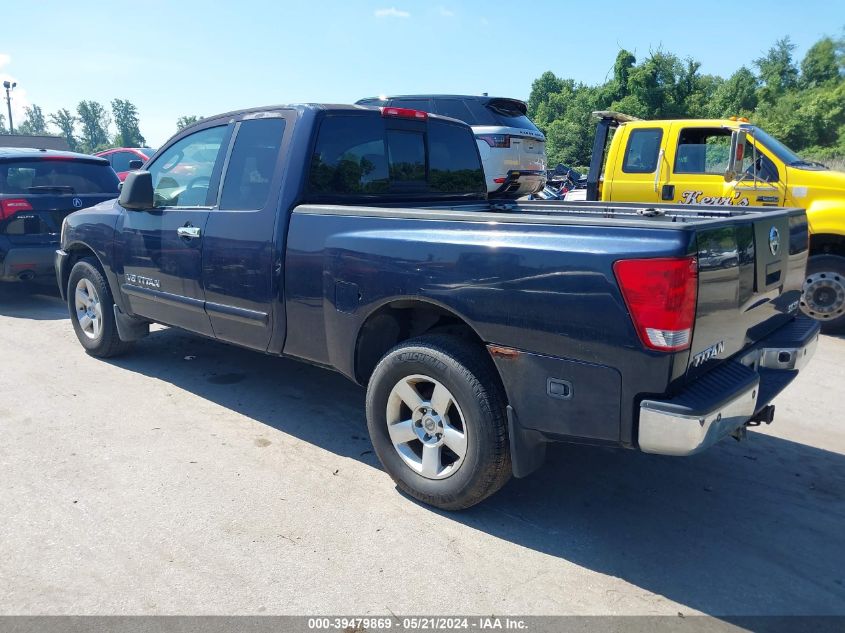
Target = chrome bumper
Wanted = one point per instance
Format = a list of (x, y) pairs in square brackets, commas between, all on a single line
[(727, 397)]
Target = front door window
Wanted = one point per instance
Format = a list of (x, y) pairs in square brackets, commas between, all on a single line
[(182, 174)]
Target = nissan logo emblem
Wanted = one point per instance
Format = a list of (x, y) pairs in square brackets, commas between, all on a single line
[(77, 203), (774, 240)]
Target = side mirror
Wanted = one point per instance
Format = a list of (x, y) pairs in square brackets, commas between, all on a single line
[(737, 154), (137, 191), (135, 164)]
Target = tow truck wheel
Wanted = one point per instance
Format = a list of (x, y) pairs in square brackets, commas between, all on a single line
[(437, 420), (824, 292), (91, 307)]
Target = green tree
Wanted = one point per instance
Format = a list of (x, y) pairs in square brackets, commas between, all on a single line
[(127, 123), (3, 129), (625, 61), (66, 122), (34, 121), (805, 110), (95, 121), (820, 64), (735, 97), (778, 72), (185, 121)]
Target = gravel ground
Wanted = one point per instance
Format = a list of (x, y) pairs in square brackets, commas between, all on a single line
[(191, 477)]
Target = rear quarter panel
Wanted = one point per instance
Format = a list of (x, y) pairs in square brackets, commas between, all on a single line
[(546, 289)]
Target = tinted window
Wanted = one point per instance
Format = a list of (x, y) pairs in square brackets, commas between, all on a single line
[(412, 104), (252, 164), (454, 108), (182, 174), (358, 155), (510, 114), (350, 156), (641, 153), (56, 176), (120, 160), (453, 165), (406, 157), (703, 151)]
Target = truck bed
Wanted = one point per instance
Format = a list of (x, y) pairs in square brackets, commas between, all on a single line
[(560, 212)]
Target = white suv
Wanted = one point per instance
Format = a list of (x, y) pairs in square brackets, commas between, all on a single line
[(512, 149)]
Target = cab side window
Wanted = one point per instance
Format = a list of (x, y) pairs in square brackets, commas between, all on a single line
[(642, 151), (703, 151), (182, 174), (755, 164), (252, 164)]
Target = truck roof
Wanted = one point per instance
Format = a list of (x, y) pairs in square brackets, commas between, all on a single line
[(339, 107), (693, 122)]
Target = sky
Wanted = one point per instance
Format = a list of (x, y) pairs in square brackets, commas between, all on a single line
[(188, 57)]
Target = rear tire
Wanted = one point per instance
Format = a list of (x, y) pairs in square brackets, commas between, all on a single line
[(449, 447), (91, 309), (824, 292)]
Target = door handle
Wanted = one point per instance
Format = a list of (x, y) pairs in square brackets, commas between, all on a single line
[(188, 232)]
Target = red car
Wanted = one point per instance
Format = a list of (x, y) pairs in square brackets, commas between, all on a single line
[(120, 157)]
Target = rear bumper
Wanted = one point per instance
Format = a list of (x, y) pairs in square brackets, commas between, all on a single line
[(727, 397), (520, 183), (24, 263)]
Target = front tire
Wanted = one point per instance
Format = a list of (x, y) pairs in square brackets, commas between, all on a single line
[(91, 309), (824, 292), (436, 417)]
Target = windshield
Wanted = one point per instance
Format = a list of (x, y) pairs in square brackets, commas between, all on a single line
[(34, 176), (782, 151)]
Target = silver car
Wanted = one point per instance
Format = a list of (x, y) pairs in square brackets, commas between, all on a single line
[(512, 149)]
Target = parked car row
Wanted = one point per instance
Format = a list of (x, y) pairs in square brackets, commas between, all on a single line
[(124, 159)]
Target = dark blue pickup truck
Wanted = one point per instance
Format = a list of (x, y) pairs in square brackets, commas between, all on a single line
[(361, 239)]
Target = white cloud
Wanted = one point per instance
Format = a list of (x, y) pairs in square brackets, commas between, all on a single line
[(5, 59), (446, 13), (392, 12)]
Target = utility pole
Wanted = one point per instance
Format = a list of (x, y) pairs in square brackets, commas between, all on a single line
[(9, 86)]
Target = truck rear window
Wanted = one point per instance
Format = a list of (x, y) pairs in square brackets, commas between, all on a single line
[(52, 176), (360, 156)]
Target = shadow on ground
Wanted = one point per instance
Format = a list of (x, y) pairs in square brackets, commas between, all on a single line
[(40, 302), (751, 528)]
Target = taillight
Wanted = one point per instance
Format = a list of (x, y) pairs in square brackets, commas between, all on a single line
[(404, 113), (11, 206), (660, 295), (495, 140)]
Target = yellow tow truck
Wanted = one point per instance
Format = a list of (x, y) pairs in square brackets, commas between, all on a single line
[(727, 162)]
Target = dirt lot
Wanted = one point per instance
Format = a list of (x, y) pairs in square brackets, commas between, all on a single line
[(192, 477)]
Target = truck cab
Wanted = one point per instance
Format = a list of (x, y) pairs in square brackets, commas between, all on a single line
[(727, 162)]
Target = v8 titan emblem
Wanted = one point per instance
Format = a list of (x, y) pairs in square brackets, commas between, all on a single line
[(140, 280), (77, 203), (774, 240), (711, 352)]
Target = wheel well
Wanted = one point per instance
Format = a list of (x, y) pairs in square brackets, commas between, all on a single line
[(399, 321), (827, 244), (75, 253)]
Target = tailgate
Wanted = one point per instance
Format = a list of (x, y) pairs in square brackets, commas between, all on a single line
[(751, 271), (42, 223), (532, 153)]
